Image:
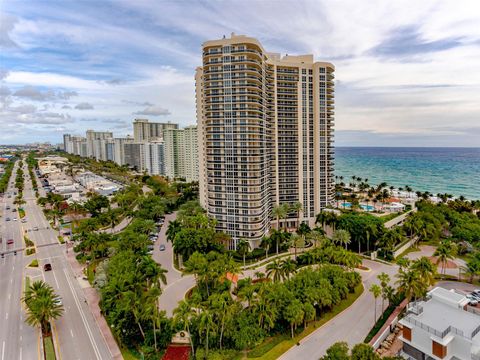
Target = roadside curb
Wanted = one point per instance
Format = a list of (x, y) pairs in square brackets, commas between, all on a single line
[(332, 319)]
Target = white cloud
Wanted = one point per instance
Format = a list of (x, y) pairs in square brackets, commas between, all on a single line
[(84, 106), (153, 111)]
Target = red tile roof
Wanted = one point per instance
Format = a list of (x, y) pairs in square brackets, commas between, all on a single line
[(176, 352)]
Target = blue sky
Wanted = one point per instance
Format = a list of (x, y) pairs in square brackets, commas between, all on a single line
[(407, 72)]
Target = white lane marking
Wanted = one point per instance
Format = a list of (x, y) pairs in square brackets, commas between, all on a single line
[(20, 353), (11, 281), (56, 282), (9, 296), (71, 332), (82, 315), (3, 351), (6, 316)]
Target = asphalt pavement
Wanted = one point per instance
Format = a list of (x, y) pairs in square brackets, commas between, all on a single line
[(18, 340), (352, 325), (76, 334)]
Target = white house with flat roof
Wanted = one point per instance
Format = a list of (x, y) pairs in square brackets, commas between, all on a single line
[(443, 326)]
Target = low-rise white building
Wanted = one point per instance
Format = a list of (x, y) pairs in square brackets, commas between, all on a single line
[(442, 326), (96, 183)]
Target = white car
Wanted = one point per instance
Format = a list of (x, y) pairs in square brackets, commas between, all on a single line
[(14, 219)]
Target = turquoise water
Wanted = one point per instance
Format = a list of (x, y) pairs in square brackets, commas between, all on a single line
[(347, 205), (438, 170)]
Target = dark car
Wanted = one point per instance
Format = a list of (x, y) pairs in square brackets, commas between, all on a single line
[(9, 241), (47, 267), (162, 247), (7, 219)]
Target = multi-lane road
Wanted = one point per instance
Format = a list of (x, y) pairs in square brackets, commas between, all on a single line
[(76, 333), (17, 339)]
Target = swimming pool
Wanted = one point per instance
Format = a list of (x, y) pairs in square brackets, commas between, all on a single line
[(365, 207)]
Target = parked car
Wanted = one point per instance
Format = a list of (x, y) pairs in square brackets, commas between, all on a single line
[(9, 241), (14, 210), (162, 247), (47, 267), (14, 219), (7, 219), (474, 296), (35, 228)]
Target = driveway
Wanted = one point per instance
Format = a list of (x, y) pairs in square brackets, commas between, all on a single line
[(177, 285), (428, 251), (352, 325)]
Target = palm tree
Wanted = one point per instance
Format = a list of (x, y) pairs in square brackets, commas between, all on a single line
[(322, 218), (243, 246), (288, 267), (277, 236), (370, 230), (445, 251), (410, 283), (279, 213), (376, 291), (297, 240), (471, 269), (316, 236), (294, 314), (384, 280), (265, 244), (206, 324), (298, 208), (174, 227), (42, 305), (425, 269), (341, 237), (332, 220), (275, 271), (220, 304)]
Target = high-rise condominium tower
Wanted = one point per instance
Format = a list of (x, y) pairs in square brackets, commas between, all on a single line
[(143, 130), (265, 129)]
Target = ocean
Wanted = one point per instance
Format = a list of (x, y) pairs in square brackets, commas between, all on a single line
[(438, 170)]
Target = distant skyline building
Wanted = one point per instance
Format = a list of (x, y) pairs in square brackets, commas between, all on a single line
[(119, 152), (181, 153), (174, 155), (265, 125), (135, 155), (154, 158), (96, 144), (144, 130)]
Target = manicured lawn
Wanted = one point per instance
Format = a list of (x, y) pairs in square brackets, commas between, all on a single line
[(49, 349), (288, 342), (27, 280), (34, 263), (129, 355)]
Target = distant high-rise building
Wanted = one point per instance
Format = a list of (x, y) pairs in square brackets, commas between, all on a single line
[(109, 149), (154, 158), (265, 127), (174, 163), (190, 140), (135, 155), (67, 143), (181, 153), (119, 155), (96, 143), (144, 130)]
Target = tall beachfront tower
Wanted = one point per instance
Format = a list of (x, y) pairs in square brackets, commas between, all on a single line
[(144, 130), (265, 135)]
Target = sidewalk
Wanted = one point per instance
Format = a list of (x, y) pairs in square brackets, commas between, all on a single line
[(93, 300)]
